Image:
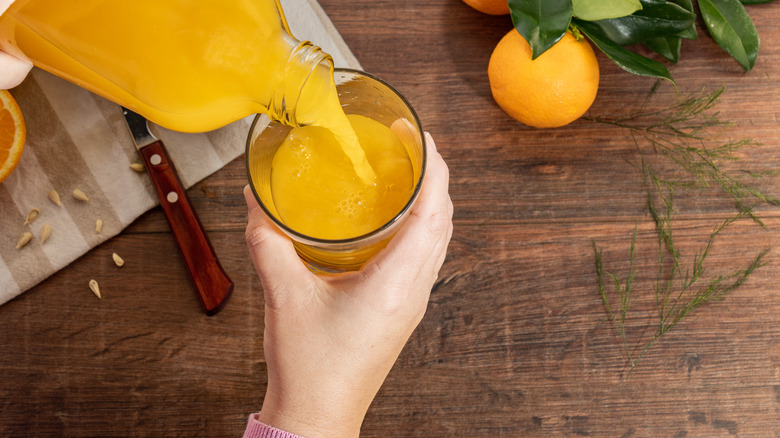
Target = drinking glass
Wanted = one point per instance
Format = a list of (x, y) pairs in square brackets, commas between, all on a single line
[(359, 93)]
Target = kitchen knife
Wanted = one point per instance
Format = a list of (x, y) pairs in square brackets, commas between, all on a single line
[(212, 285)]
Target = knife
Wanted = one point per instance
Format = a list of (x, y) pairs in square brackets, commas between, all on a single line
[(212, 285)]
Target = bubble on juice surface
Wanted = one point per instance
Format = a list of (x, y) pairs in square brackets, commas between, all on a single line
[(299, 146), (301, 170), (350, 204)]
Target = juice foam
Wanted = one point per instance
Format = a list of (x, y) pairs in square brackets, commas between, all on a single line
[(316, 192)]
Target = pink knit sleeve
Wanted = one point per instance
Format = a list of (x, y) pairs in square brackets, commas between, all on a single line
[(256, 429)]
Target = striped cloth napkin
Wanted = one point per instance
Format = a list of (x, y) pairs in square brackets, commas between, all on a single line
[(77, 140)]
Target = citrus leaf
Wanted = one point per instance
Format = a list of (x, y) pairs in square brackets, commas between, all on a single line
[(668, 47), (657, 18), (755, 2), (541, 22), (627, 60), (689, 33), (592, 10), (733, 30)]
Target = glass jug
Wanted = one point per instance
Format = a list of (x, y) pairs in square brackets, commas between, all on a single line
[(188, 65)]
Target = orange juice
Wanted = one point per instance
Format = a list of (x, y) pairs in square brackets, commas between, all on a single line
[(316, 193), (190, 66)]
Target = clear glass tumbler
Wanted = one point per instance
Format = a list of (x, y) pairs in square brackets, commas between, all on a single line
[(362, 94)]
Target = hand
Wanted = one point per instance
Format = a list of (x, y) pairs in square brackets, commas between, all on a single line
[(330, 341), (12, 69)]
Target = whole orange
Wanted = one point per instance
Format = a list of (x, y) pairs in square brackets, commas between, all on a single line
[(550, 91), (492, 7)]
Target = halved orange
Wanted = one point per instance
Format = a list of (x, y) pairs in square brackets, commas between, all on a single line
[(12, 134)]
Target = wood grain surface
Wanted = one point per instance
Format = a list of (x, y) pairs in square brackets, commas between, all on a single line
[(516, 341)]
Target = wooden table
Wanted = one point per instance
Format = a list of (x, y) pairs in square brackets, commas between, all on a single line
[(516, 341)]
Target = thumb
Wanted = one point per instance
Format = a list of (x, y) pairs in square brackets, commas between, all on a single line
[(273, 254)]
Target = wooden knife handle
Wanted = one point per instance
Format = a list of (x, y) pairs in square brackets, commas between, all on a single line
[(212, 284)]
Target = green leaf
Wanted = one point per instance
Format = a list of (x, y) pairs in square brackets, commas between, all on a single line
[(541, 22), (733, 30), (755, 2), (658, 18), (690, 32), (627, 60), (668, 47), (592, 10)]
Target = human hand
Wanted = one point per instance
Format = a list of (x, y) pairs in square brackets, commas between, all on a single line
[(330, 341), (13, 70)]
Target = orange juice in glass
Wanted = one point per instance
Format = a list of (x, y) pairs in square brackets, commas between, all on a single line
[(311, 191)]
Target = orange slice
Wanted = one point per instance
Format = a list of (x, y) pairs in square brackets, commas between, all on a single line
[(12, 134)]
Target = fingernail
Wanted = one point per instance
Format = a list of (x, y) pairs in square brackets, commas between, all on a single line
[(429, 139), (249, 197)]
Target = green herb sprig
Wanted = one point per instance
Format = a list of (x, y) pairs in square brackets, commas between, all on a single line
[(615, 26), (687, 135)]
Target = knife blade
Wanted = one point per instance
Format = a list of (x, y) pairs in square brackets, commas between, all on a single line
[(212, 285)]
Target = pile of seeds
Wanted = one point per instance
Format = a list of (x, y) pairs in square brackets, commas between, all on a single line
[(46, 229)]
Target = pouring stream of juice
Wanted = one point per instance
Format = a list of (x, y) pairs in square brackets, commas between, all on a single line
[(190, 66)]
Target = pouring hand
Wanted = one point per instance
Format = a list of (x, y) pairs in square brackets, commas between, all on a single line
[(12, 69)]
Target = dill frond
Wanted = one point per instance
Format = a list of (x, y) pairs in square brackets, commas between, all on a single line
[(686, 136)]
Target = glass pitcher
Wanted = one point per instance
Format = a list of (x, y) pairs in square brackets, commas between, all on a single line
[(188, 65)]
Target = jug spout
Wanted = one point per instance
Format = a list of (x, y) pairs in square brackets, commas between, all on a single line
[(306, 62)]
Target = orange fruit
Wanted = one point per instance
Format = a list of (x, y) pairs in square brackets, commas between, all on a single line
[(492, 7), (12, 134), (550, 91)]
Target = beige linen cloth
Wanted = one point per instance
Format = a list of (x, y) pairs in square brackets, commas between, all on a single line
[(77, 140)]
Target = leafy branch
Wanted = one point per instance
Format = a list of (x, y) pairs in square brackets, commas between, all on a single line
[(616, 26), (687, 135)]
